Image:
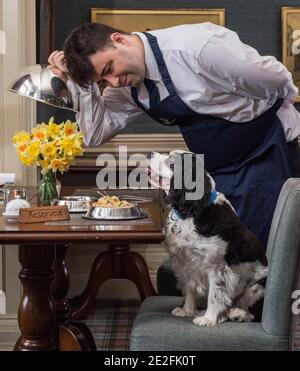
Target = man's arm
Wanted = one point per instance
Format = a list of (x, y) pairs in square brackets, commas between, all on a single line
[(101, 117), (240, 69)]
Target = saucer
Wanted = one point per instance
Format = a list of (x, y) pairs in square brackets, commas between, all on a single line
[(10, 216)]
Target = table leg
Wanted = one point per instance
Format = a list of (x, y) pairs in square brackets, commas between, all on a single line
[(119, 262), (61, 283), (72, 336), (36, 311)]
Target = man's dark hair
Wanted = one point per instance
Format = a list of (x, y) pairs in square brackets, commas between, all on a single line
[(83, 41)]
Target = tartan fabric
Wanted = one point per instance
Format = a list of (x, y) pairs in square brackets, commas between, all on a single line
[(296, 345), (110, 322)]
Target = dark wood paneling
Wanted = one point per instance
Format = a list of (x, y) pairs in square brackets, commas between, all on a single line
[(46, 10)]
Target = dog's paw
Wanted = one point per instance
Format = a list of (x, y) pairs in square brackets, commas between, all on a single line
[(204, 321), (240, 315), (181, 312), (222, 318)]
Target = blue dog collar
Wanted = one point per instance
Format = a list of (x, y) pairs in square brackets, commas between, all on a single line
[(175, 215), (213, 197)]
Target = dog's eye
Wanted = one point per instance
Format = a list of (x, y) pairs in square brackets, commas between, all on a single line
[(171, 162), (174, 161)]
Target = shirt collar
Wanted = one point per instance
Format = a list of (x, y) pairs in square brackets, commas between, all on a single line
[(152, 72)]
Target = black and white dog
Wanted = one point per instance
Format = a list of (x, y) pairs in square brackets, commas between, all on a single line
[(213, 255)]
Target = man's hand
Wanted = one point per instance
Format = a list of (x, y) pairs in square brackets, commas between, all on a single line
[(57, 65)]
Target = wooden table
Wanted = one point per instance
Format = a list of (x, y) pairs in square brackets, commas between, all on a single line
[(46, 318)]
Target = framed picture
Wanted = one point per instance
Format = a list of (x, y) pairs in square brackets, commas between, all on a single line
[(291, 43), (45, 29), (147, 20)]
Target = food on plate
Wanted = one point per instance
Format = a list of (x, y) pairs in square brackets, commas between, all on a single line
[(111, 202)]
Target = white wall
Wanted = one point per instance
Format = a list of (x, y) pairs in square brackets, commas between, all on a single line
[(1, 98), (16, 113)]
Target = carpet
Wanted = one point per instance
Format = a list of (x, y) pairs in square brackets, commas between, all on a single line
[(110, 322), (296, 342)]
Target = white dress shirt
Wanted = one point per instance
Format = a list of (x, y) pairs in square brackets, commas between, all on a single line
[(213, 73)]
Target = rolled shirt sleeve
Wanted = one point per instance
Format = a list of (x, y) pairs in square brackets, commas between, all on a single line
[(101, 117), (240, 69)]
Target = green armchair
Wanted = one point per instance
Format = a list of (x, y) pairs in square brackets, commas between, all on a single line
[(156, 329)]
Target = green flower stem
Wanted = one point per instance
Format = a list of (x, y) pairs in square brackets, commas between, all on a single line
[(47, 188)]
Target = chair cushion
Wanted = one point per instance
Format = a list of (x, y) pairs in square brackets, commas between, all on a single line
[(156, 329)]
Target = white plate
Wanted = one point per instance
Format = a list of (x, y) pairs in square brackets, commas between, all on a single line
[(10, 216)]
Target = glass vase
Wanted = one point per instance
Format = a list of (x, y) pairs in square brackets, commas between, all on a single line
[(47, 189)]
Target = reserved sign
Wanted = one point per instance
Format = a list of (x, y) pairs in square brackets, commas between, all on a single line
[(43, 214)]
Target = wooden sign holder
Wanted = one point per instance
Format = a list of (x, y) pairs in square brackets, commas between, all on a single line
[(43, 214)]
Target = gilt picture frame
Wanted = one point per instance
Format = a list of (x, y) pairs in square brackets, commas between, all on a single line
[(147, 20), (291, 42)]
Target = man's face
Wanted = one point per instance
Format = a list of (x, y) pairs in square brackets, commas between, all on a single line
[(120, 65)]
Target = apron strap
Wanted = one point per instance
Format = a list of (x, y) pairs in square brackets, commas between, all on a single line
[(154, 96), (153, 92), (135, 97), (160, 62)]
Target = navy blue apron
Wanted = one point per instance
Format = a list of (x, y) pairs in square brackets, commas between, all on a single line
[(248, 161)]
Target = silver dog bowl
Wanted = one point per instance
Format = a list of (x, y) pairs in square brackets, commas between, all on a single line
[(115, 213), (76, 204)]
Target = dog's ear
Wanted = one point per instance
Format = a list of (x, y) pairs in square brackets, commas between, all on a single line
[(177, 200), (207, 188), (204, 202), (177, 197)]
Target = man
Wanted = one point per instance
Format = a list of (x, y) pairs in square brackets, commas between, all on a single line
[(231, 104)]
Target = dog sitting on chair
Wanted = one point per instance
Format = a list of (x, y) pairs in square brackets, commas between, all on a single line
[(213, 255)]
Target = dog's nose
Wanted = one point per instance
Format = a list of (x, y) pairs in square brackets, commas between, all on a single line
[(150, 155)]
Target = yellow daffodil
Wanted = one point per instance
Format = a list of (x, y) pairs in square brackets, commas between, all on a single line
[(49, 150), (67, 145), (34, 149), (22, 149), (21, 137), (53, 131), (40, 132), (45, 165), (70, 128), (50, 146), (28, 161), (57, 143), (51, 121), (61, 165), (77, 151)]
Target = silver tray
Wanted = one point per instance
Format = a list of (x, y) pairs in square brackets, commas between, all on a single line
[(76, 204), (115, 213)]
